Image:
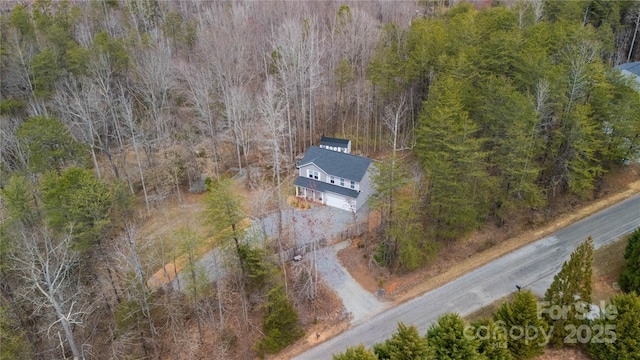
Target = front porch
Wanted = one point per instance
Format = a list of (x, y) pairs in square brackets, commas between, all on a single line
[(309, 194)]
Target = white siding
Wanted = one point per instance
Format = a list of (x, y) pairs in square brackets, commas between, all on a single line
[(365, 188), (304, 172)]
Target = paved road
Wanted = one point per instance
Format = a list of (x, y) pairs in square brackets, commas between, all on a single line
[(532, 266)]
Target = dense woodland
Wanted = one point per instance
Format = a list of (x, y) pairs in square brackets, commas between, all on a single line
[(107, 108)]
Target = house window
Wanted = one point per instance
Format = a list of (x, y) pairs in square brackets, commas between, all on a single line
[(313, 174), (341, 182), (353, 184), (332, 179)]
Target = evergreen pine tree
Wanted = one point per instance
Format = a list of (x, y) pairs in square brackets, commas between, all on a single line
[(389, 176), (619, 325), (48, 144), (630, 276), (570, 289), (447, 339), (356, 353), (280, 325), (519, 316), (224, 214), (15, 344), (79, 203), (405, 344), (452, 157), (492, 340)]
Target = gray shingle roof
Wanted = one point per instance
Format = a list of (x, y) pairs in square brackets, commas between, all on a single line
[(633, 67), (325, 187), (347, 166), (327, 141)]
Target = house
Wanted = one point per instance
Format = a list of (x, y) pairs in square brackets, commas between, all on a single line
[(334, 178), (631, 69), (335, 144)]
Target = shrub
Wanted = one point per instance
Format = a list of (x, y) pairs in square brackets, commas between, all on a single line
[(630, 276), (280, 324)]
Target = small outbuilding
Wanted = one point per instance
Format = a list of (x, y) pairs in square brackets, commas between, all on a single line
[(335, 144)]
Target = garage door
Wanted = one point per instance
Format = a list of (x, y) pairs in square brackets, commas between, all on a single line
[(337, 201)]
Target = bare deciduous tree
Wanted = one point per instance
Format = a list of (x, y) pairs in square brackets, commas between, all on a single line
[(74, 103), (16, 72), (305, 275), (128, 115), (271, 108), (396, 121), (231, 66), (12, 155), (137, 290), (48, 268), (240, 124), (104, 82), (200, 89), (296, 56), (580, 56), (634, 14), (155, 78)]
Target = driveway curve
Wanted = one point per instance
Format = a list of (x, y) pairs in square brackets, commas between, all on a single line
[(357, 301)]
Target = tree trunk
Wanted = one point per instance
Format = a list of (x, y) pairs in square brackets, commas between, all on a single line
[(635, 33), (140, 172), (62, 317)]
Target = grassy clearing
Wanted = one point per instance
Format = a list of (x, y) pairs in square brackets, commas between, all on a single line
[(166, 257), (156, 232)]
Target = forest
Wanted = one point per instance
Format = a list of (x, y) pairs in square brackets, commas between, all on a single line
[(473, 111)]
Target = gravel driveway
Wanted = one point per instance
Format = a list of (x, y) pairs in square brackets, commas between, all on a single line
[(307, 226), (327, 222), (311, 224), (213, 264), (356, 300)]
